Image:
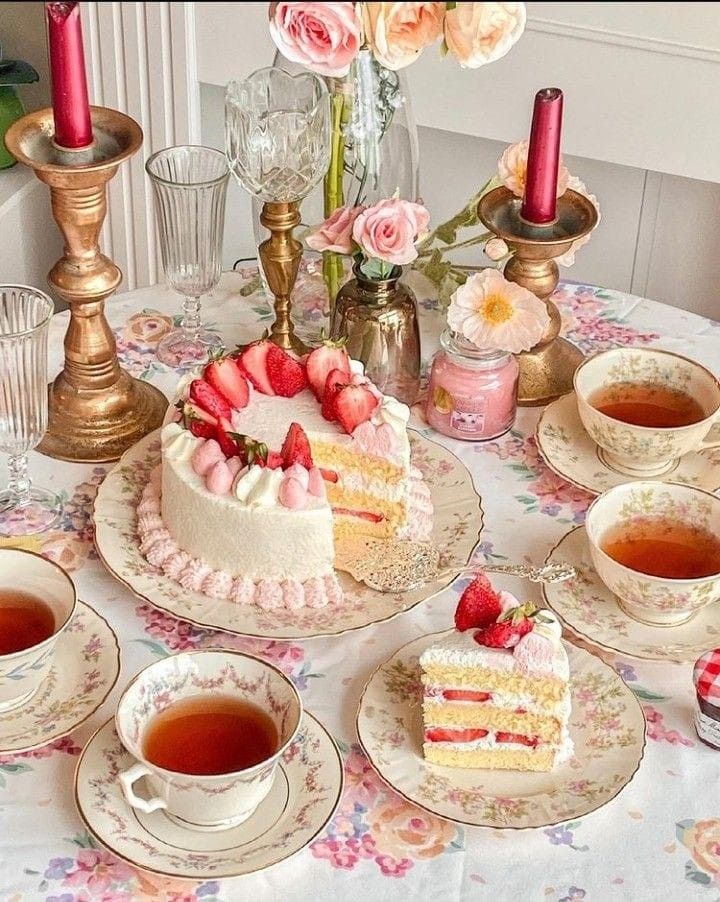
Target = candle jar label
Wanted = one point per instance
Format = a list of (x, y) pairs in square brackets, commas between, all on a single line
[(466, 414)]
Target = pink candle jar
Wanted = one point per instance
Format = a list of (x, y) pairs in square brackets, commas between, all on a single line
[(472, 394)]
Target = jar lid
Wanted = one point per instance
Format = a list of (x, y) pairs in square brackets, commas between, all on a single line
[(706, 676)]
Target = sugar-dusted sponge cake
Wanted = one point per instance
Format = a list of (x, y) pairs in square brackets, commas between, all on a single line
[(265, 461), (496, 690)]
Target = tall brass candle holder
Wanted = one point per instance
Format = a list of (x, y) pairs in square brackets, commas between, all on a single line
[(277, 141), (96, 410), (546, 371)]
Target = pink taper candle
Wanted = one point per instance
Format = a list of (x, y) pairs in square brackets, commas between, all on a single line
[(71, 109), (543, 157)]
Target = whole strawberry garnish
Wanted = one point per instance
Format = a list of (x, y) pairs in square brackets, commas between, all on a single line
[(479, 605), (231, 443), (296, 448), (225, 377), (200, 429), (331, 355), (192, 412), (509, 629), (354, 404), (205, 396), (335, 380), (253, 364), (286, 374)]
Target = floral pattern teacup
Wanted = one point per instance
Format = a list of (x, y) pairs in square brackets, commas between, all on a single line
[(214, 802), (22, 672), (646, 451), (659, 601)]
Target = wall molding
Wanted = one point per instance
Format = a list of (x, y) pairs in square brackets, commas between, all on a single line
[(622, 39)]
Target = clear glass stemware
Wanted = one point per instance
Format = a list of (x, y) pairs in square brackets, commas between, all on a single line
[(25, 315), (189, 187)]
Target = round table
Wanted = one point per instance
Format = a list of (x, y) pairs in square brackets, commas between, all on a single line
[(660, 839)]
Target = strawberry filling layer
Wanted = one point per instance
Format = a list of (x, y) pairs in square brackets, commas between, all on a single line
[(466, 695), (361, 515), (470, 734)]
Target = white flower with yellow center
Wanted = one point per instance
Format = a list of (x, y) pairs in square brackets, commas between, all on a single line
[(495, 314)]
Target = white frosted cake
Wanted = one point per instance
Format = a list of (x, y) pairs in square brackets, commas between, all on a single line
[(496, 690), (266, 462)]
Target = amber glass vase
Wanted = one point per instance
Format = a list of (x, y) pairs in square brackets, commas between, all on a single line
[(378, 317)]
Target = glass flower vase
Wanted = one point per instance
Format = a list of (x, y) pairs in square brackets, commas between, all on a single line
[(374, 154)]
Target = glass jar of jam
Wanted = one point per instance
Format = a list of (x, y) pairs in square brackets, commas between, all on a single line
[(706, 677), (472, 393)]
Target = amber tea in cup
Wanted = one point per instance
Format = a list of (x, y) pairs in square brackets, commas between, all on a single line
[(663, 547), (647, 404), (25, 621), (210, 734)]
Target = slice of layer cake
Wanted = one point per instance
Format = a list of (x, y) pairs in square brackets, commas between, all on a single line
[(497, 689), (265, 460)]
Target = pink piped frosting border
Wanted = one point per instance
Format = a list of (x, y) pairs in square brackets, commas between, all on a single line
[(161, 551)]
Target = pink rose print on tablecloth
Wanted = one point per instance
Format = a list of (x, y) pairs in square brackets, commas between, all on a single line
[(374, 823), (11, 765), (590, 321), (547, 493)]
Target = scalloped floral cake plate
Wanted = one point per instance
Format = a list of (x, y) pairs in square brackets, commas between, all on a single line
[(85, 668), (607, 726), (303, 798), (590, 610), (456, 531), (569, 452)]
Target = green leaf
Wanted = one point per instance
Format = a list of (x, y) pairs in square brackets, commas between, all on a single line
[(154, 647), (251, 287), (15, 768), (647, 695), (17, 72)]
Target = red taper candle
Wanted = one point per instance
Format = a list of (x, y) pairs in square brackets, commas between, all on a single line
[(71, 109), (538, 205)]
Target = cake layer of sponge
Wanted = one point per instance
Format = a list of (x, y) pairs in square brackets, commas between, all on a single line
[(546, 690), (542, 759)]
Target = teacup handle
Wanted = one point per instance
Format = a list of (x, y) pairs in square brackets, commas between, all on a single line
[(709, 441), (127, 779)]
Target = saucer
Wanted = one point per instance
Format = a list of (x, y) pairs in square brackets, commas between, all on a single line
[(569, 451), (85, 668), (458, 521), (607, 727), (305, 793), (590, 610)]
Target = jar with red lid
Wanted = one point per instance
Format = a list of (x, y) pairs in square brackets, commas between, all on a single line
[(472, 394), (706, 677)]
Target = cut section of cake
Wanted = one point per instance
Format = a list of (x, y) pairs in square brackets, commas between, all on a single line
[(496, 690)]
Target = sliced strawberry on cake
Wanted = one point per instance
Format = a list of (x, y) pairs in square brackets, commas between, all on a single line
[(330, 356), (286, 374), (225, 377)]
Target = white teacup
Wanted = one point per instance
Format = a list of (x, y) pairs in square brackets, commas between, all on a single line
[(214, 802), (656, 600), (646, 451), (22, 672)]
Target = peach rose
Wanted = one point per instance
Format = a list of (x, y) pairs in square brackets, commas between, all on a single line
[(480, 33), (148, 328), (404, 831), (398, 32), (325, 37), (703, 841), (335, 234), (568, 258), (388, 231), (496, 249), (512, 169)]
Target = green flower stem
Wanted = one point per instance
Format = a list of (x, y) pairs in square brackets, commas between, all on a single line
[(469, 242), (333, 193)]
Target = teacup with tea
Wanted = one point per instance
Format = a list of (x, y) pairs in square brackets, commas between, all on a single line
[(656, 546), (208, 729), (645, 408), (37, 602)]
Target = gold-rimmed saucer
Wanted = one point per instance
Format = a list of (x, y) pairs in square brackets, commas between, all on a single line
[(569, 451), (458, 521), (607, 727), (590, 610), (86, 665), (303, 798)]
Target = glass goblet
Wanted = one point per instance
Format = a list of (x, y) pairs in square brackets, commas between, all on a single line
[(25, 315), (189, 187)]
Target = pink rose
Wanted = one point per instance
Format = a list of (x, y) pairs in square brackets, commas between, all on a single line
[(398, 32), (325, 37), (480, 33), (335, 234), (388, 231)]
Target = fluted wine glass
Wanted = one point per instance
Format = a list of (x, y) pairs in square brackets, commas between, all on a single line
[(189, 186), (25, 315)]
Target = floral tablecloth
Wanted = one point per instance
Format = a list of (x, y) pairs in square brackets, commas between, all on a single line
[(660, 839)]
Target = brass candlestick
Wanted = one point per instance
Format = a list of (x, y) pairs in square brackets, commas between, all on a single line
[(96, 410), (280, 256), (546, 371)]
